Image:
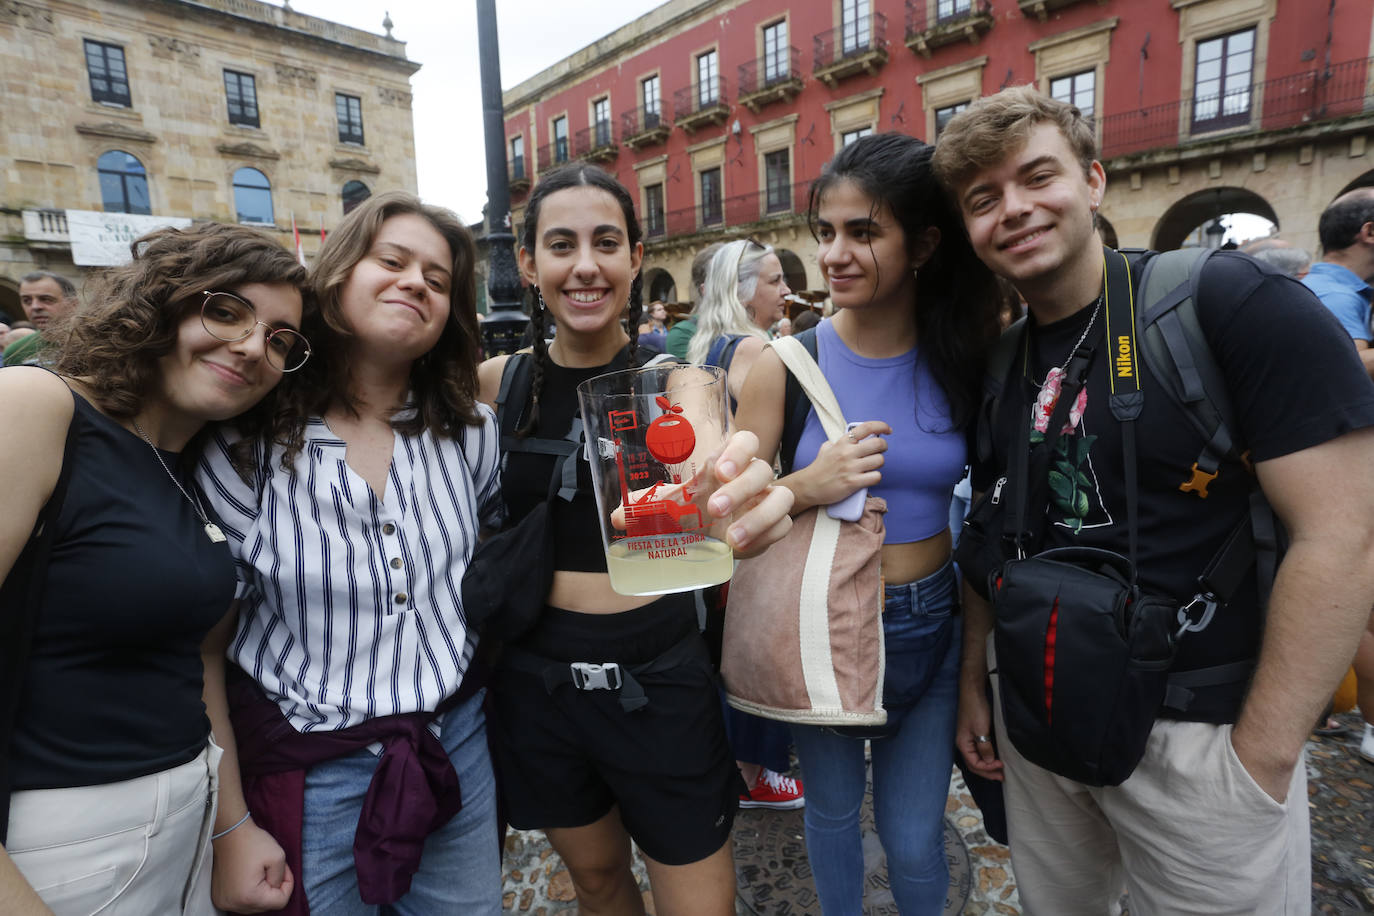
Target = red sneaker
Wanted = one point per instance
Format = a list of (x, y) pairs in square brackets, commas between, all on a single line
[(773, 790)]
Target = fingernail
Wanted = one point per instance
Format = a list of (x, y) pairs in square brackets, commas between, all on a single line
[(720, 504), (728, 469), (739, 535)]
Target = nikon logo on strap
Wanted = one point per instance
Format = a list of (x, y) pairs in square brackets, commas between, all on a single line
[(1124, 363)]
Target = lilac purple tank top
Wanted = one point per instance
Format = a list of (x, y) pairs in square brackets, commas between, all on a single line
[(925, 454)]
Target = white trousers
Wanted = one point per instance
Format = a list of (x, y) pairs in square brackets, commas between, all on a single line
[(1190, 832), (133, 848)]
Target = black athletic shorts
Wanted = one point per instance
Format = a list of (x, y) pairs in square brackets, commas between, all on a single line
[(565, 757)]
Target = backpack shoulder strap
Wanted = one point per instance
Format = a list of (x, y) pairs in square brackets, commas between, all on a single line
[(1178, 355), (795, 404), (517, 379), (999, 363)]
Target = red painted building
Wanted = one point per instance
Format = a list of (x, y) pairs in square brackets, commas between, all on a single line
[(717, 113)]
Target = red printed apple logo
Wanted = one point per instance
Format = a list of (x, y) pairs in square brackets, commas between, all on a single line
[(670, 438)]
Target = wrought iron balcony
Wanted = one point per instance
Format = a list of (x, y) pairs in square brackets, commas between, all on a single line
[(554, 154), (771, 78), (1293, 101), (517, 175), (733, 212), (701, 105), (857, 46), (641, 127), (932, 24), (596, 143)]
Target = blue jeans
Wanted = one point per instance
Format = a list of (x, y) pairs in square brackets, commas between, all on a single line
[(460, 869), (912, 756)]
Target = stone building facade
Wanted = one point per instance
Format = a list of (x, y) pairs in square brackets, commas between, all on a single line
[(208, 109), (716, 114)]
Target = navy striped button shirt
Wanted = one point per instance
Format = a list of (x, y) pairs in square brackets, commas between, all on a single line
[(351, 607)]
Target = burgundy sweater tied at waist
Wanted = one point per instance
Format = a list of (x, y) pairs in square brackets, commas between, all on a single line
[(413, 792)]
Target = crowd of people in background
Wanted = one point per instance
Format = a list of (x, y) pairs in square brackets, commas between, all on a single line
[(236, 668)]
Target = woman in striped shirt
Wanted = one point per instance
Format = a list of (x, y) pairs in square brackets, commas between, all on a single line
[(358, 719)]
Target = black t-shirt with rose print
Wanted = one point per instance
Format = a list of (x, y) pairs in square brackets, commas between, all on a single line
[(1295, 381)]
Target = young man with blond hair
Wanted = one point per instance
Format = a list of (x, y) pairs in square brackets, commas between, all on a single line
[(1213, 819)]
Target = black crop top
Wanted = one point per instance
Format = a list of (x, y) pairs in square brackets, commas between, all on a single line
[(114, 682), (525, 476)]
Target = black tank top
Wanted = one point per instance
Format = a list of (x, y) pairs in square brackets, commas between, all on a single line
[(525, 478), (113, 688)]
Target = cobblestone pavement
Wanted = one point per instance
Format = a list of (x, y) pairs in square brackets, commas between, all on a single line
[(775, 877)]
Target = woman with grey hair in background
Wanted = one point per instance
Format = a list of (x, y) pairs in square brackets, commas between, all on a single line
[(744, 296)]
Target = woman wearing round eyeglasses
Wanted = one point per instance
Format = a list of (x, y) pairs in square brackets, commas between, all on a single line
[(114, 573)]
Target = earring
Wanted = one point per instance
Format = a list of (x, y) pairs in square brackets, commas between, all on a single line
[(539, 297)]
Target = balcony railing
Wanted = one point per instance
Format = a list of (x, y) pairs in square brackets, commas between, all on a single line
[(732, 212), (934, 23), (554, 154), (596, 143), (46, 226), (640, 127), (1284, 102), (517, 174), (698, 106), (772, 78), (857, 46)]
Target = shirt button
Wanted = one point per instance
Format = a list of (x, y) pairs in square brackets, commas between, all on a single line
[(388, 528), (400, 597), (395, 562)]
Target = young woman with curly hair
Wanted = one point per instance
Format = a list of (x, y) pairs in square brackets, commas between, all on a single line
[(576, 763), (109, 759), (358, 762)]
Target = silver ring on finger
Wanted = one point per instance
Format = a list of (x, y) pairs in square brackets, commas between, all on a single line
[(982, 739)]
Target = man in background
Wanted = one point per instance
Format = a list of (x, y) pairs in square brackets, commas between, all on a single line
[(48, 299)]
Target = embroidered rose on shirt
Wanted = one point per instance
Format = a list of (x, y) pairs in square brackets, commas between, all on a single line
[(1048, 397), (1069, 483)]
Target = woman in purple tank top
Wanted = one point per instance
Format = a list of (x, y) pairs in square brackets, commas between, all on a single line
[(914, 313)]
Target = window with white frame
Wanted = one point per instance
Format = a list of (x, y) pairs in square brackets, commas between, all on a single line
[(943, 115), (850, 136), (708, 79), (856, 27), (650, 101), (1221, 87), (1078, 89), (601, 121), (776, 57)]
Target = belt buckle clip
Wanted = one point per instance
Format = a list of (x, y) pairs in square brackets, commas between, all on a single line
[(591, 676), (1204, 601)]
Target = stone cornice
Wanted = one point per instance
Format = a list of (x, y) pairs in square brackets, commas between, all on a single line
[(115, 131)]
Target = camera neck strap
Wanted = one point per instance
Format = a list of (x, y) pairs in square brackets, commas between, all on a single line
[(1030, 467)]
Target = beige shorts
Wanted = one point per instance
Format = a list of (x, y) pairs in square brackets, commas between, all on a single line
[(137, 847), (1190, 832)]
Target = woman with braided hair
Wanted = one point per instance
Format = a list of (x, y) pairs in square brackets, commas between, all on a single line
[(574, 762)]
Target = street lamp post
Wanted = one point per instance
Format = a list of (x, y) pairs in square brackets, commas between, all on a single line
[(505, 322)]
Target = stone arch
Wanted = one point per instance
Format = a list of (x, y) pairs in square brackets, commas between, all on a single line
[(1365, 180), (9, 299), (659, 284), (1192, 211), (793, 270)]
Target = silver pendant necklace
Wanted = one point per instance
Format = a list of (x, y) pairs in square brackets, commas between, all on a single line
[(212, 531), (1082, 337)]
